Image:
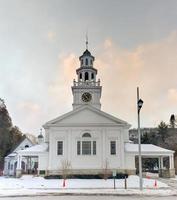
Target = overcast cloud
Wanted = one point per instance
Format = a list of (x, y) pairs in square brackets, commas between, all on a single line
[(134, 42)]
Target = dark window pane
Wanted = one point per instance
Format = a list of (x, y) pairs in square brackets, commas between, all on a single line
[(86, 135), (86, 61), (86, 76), (86, 148), (60, 148), (94, 147), (80, 75), (113, 147), (78, 147)]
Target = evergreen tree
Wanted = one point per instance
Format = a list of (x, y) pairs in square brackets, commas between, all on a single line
[(9, 134), (172, 121), (162, 130)]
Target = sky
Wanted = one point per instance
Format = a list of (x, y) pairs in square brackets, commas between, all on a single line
[(134, 44)]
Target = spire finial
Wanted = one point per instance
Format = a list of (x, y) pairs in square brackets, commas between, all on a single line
[(86, 40)]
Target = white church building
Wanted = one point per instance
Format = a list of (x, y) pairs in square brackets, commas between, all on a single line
[(88, 138)]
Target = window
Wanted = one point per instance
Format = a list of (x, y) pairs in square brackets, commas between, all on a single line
[(8, 165), (82, 62), (60, 148), (86, 76), (113, 147), (86, 135), (78, 147), (80, 75), (94, 147), (92, 76), (91, 62), (86, 147), (86, 61)]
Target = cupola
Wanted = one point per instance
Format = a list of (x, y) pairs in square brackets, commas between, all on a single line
[(40, 137)]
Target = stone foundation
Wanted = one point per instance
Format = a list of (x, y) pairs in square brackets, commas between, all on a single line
[(167, 173), (18, 173)]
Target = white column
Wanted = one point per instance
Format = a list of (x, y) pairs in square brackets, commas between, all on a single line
[(90, 76), (171, 161), (83, 76), (19, 161), (173, 166), (161, 162)]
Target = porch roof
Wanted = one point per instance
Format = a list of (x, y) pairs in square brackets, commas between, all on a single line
[(39, 148), (147, 149)]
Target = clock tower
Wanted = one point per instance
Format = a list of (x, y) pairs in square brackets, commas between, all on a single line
[(86, 90)]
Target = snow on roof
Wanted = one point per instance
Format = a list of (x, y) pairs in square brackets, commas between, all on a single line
[(146, 148), (36, 148), (13, 154)]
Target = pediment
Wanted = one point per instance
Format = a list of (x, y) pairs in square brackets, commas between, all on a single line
[(86, 115)]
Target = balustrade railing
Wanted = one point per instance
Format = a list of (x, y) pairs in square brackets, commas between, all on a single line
[(86, 83)]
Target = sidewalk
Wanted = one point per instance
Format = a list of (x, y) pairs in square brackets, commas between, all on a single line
[(92, 192)]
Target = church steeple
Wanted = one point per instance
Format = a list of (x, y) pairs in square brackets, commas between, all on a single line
[(87, 89), (86, 42), (86, 72)]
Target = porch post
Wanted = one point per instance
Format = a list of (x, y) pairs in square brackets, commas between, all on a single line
[(19, 167), (173, 165), (171, 160), (161, 162)]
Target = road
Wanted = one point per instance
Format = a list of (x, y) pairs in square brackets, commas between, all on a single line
[(91, 198)]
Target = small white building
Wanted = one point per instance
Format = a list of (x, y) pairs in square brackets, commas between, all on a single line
[(89, 139), (10, 161)]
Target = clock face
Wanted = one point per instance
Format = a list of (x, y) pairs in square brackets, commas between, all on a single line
[(86, 97)]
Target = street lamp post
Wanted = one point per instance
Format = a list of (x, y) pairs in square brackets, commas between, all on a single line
[(139, 105)]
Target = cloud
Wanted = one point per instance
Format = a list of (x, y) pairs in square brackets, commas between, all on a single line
[(152, 67), (30, 113), (172, 95), (60, 87), (51, 35)]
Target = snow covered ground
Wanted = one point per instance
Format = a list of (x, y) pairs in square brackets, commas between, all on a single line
[(29, 185)]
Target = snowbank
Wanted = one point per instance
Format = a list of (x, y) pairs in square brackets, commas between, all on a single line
[(28, 185)]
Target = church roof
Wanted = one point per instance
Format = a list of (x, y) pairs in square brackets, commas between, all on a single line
[(40, 136), (146, 149), (86, 53), (36, 148), (24, 137), (86, 115)]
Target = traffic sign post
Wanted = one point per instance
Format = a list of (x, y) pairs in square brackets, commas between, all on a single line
[(114, 176)]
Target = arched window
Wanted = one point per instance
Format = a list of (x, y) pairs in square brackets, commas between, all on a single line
[(92, 76), (26, 146), (86, 135), (86, 61), (80, 76), (86, 145), (86, 76), (82, 62), (91, 62)]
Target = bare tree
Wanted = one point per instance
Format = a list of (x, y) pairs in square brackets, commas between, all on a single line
[(66, 168), (106, 172)]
